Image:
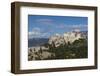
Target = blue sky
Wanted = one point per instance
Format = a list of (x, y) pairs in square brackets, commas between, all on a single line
[(43, 26)]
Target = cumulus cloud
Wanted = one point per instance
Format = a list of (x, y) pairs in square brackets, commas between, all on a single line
[(34, 33), (37, 33)]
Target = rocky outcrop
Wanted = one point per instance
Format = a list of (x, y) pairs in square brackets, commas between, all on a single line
[(57, 39)]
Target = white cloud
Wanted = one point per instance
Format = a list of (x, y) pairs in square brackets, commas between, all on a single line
[(79, 26), (36, 29), (45, 21), (62, 26), (36, 32), (42, 20)]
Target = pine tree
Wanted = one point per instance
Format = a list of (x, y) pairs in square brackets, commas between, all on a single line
[(40, 50)]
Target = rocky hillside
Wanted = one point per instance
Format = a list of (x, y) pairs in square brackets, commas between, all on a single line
[(57, 39)]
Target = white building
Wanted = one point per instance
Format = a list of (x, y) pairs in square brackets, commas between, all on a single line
[(67, 37), (57, 40), (72, 36)]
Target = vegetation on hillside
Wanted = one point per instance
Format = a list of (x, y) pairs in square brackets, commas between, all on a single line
[(77, 49)]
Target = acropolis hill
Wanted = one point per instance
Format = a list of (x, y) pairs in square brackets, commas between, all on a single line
[(58, 39)]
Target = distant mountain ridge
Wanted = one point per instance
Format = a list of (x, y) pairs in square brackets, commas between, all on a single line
[(37, 41), (41, 41)]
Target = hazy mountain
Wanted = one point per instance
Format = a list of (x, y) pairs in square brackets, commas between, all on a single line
[(37, 41)]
